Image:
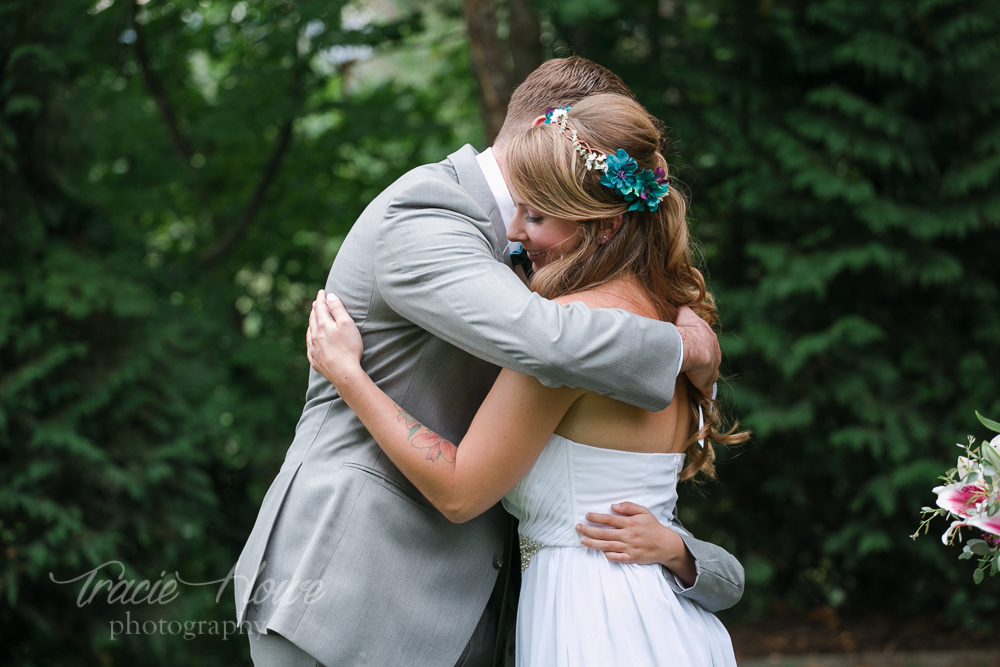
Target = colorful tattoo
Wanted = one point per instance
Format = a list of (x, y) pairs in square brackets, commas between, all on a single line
[(421, 437)]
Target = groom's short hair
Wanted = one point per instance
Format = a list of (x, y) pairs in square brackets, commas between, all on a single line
[(557, 83)]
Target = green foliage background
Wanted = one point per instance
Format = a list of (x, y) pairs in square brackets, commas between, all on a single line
[(843, 162)]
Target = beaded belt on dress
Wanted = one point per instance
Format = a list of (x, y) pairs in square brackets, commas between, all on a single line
[(528, 549)]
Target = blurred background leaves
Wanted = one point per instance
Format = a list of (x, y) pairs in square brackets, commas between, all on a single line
[(176, 178)]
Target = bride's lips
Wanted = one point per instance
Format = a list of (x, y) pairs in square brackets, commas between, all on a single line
[(535, 255)]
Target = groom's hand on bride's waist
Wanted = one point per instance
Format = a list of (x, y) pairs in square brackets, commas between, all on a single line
[(633, 535)]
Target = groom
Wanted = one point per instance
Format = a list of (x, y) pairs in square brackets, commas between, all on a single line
[(347, 563)]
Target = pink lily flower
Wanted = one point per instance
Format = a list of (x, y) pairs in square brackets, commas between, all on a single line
[(970, 502)]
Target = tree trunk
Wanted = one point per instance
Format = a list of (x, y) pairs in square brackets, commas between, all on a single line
[(525, 39), (488, 62), (500, 65)]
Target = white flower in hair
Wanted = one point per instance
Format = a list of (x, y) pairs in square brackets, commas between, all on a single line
[(597, 162)]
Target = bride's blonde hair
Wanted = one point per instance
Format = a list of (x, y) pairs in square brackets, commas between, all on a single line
[(651, 249)]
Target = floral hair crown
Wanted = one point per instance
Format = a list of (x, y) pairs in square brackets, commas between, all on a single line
[(643, 189)]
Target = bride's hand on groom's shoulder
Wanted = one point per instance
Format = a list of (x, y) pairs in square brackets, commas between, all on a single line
[(333, 342), (633, 535)]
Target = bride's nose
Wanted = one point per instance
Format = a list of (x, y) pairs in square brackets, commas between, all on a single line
[(516, 230)]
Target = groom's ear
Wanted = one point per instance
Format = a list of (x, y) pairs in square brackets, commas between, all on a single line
[(538, 121)]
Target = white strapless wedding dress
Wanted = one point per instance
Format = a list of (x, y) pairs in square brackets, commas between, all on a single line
[(577, 608)]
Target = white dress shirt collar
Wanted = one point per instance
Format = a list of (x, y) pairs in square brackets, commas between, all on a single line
[(505, 203)]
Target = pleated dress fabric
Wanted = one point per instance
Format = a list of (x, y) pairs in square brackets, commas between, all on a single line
[(577, 608)]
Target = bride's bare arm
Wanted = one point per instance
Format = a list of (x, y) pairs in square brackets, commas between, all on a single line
[(505, 438)]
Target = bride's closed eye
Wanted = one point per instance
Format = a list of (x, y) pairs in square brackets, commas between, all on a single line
[(527, 214), (531, 215)]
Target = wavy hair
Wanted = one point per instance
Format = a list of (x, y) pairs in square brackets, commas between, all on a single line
[(651, 250)]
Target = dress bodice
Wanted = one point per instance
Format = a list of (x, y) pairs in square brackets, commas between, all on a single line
[(570, 479)]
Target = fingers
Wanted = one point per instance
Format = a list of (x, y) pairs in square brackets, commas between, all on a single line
[(595, 533), (629, 509), (333, 341), (625, 536), (316, 312), (328, 309), (313, 322), (311, 335), (613, 550), (309, 344), (321, 310), (613, 520), (619, 557), (603, 539), (337, 309), (603, 545), (620, 518)]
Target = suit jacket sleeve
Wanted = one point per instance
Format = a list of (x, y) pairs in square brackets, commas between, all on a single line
[(439, 269), (719, 582)]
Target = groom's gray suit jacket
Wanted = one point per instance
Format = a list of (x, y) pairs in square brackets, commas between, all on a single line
[(371, 573)]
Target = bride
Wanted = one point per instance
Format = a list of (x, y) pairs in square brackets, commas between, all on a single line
[(601, 225)]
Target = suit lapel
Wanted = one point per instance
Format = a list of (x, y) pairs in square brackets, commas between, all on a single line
[(470, 177)]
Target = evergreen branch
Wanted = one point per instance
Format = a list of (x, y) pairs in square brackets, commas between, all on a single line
[(224, 244), (156, 89)]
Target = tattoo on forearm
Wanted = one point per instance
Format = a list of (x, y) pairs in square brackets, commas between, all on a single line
[(421, 437)]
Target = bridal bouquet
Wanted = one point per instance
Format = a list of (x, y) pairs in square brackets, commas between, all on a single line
[(971, 498)]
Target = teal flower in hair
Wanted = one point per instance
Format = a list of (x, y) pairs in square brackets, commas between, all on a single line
[(650, 187), (621, 172)]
